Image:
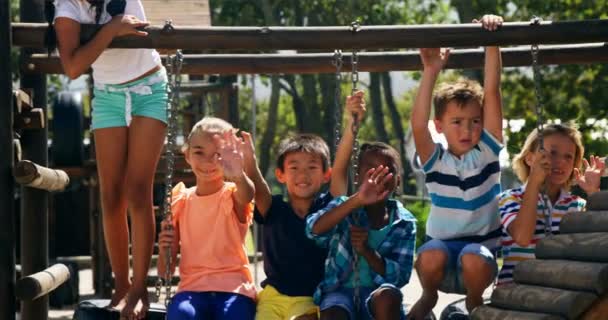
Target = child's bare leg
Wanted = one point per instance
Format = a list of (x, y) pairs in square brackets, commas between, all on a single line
[(430, 267), (477, 275), (386, 304), (146, 138), (111, 154)]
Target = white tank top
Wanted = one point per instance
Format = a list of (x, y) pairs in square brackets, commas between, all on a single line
[(113, 65)]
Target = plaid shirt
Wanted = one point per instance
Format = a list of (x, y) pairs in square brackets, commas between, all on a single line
[(397, 249)]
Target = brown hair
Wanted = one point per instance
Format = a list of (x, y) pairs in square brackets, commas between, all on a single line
[(303, 142), (462, 91), (207, 125), (521, 168)]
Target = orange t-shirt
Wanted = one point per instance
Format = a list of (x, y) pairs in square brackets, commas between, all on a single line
[(212, 242)]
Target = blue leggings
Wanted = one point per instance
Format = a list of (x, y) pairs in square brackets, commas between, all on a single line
[(211, 306)]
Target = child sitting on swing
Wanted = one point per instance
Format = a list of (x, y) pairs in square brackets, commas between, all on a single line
[(209, 224), (533, 211), (382, 234)]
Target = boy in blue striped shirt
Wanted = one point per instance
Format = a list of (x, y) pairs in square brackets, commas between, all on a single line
[(463, 228)]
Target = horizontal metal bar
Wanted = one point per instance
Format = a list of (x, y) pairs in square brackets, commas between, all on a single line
[(329, 38), (302, 63)]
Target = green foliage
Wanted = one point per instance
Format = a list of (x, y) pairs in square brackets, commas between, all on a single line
[(420, 210)]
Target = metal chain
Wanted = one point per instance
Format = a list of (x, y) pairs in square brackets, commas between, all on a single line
[(539, 127), (338, 63), (354, 61), (174, 66)]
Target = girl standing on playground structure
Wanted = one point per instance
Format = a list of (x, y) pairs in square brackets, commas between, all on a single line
[(128, 123), (210, 221), (534, 210)]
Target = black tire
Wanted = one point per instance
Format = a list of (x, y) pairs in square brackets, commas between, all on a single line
[(68, 130)]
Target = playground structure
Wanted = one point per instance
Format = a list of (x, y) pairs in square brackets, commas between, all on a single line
[(26, 112)]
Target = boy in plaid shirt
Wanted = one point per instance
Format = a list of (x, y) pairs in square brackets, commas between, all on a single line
[(379, 230)]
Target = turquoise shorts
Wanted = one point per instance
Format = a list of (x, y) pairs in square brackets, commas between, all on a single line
[(115, 104)]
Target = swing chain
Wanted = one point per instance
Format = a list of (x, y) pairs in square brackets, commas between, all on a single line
[(174, 66), (354, 61), (338, 63), (539, 125)]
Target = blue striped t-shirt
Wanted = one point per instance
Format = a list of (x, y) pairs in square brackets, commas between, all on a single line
[(464, 193)]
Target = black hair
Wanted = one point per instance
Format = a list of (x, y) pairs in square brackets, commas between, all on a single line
[(380, 148), (114, 8), (303, 142)]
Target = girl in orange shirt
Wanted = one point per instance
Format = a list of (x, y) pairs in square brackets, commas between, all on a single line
[(210, 221)]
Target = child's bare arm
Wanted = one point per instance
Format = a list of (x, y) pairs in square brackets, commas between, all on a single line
[(372, 190), (433, 60), (76, 59), (492, 113), (355, 104), (231, 156), (359, 241), (243, 196), (522, 228), (263, 196)]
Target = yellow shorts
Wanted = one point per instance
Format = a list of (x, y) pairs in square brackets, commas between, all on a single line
[(272, 305)]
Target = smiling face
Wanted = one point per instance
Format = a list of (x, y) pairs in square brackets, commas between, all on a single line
[(302, 174), (203, 157), (461, 125), (562, 151)]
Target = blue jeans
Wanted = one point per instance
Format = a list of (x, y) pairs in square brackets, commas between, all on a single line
[(211, 306), (343, 298), (452, 279)]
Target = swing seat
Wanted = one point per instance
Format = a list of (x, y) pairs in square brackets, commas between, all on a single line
[(96, 310)]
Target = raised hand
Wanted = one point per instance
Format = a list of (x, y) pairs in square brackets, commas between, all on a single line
[(434, 58), (589, 180), (230, 148), (128, 25), (355, 105), (375, 185), (358, 239), (490, 22), (540, 168), (248, 149)]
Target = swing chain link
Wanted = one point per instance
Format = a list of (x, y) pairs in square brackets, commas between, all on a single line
[(539, 125), (338, 63), (354, 60), (174, 66)]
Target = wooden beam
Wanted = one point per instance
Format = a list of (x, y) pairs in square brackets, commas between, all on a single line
[(42, 283), (8, 307), (21, 101), (316, 38), (34, 221), (30, 119), (301, 63), (32, 175)]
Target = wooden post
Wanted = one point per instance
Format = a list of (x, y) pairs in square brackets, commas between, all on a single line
[(332, 37), (7, 184), (304, 63), (42, 283), (34, 202), (32, 175)]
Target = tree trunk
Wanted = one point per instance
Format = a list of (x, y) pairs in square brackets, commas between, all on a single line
[(376, 107), (398, 127), (329, 104), (268, 136), (310, 95), (297, 103)]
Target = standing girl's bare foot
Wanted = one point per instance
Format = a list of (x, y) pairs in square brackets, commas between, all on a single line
[(423, 306), (136, 304), (118, 297)]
